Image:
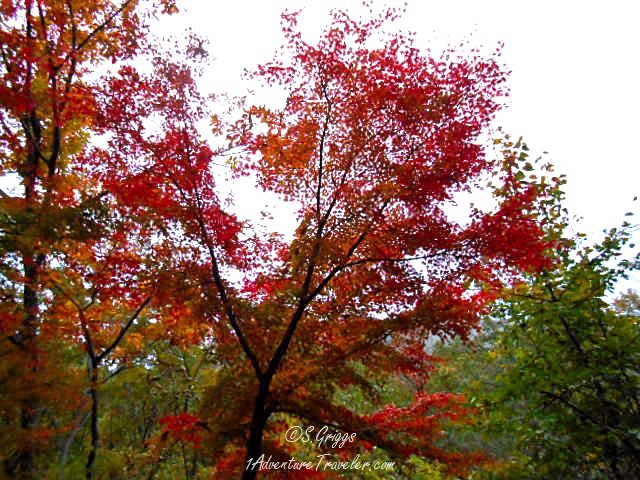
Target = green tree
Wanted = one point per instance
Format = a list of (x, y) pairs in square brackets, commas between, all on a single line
[(569, 387)]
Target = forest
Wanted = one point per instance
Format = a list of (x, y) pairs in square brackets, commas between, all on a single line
[(398, 331)]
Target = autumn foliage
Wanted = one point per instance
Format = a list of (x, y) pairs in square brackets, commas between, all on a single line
[(118, 255)]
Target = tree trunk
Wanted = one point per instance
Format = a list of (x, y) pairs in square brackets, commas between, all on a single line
[(95, 434), (22, 464), (256, 431)]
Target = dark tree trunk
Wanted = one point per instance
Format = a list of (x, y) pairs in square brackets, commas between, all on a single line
[(22, 464), (256, 431), (95, 433)]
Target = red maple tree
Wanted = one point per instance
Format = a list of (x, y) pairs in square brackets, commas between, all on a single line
[(373, 144)]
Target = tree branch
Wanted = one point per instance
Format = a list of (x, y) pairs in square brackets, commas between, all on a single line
[(123, 330)]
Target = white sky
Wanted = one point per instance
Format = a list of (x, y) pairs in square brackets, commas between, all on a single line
[(575, 89)]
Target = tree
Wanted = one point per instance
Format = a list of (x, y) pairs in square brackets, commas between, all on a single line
[(373, 144), (569, 381), (48, 113), (96, 291), (554, 373)]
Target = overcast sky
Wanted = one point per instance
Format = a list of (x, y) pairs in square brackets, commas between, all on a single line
[(575, 89)]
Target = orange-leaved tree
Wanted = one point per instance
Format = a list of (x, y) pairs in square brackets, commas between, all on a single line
[(49, 50)]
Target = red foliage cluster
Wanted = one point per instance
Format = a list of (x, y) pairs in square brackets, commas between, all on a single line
[(184, 427)]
